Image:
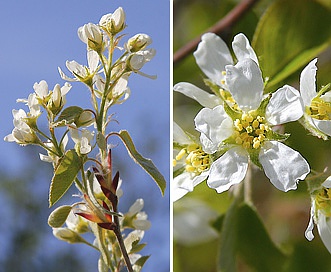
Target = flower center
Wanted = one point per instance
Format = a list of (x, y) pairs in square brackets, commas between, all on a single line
[(320, 109), (323, 201), (196, 160), (250, 131)]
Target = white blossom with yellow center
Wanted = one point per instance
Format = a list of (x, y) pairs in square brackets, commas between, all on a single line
[(317, 105), (320, 214), (192, 159), (247, 134)]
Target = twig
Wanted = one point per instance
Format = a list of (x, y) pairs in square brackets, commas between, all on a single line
[(230, 19)]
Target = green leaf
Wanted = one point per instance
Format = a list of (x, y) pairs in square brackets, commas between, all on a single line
[(68, 116), (244, 235), (141, 261), (64, 175), (286, 40), (146, 164), (58, 217)]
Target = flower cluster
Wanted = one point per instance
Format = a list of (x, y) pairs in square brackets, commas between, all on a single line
[(106, 75), (240, 125)]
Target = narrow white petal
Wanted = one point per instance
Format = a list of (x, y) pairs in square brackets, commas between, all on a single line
[(212, 55), (92, 60), (243, 49), (245, 84), (308, 82), (184, 181), (283, 165), (309, 231), (228, 170), (179, 135), (324, 230), (214, 123), (284, 106), (205, 99), (323, 125)]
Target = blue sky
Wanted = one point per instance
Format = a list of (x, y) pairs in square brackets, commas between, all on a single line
[(38, 36)]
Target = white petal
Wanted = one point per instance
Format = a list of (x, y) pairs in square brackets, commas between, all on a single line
[(243, 49), (41, 88), (308, 82), (323, 125), (327, 182), (245, 83), (179, 135), (324, 230), (205, 99), (309, 231), (184, 181), (284, 106), (228, 170), (212, 55), (283, 165), (92, 60), (214, 123)]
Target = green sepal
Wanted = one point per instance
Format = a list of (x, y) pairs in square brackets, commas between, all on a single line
[(212, 86), (231, 112), (263, 106), (273, 135), (254, 157), (145, 163), (58, 217), (64, 175), (312, 129), (68, 116)]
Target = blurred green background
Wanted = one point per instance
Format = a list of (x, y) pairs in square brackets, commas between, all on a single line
[(290, 34)]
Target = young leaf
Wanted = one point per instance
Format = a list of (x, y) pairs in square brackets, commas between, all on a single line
[(58, 217), (68, 116), (146, 164), (286, 40), (64, 175)]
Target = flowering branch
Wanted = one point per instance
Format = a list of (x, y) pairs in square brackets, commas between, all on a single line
[(107, 81)]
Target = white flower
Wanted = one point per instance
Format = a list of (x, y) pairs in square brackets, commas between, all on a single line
[(191, 161), (92, 36), (320, 213), (139, 221), (80, 72), (242, 128), (22, 133), (54, 100), (317, 105), (113, 22), (82, 141)]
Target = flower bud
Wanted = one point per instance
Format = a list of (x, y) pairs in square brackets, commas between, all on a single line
[(138, 42), (92, 36), (137, 60), (113, 23), (67, 235)]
